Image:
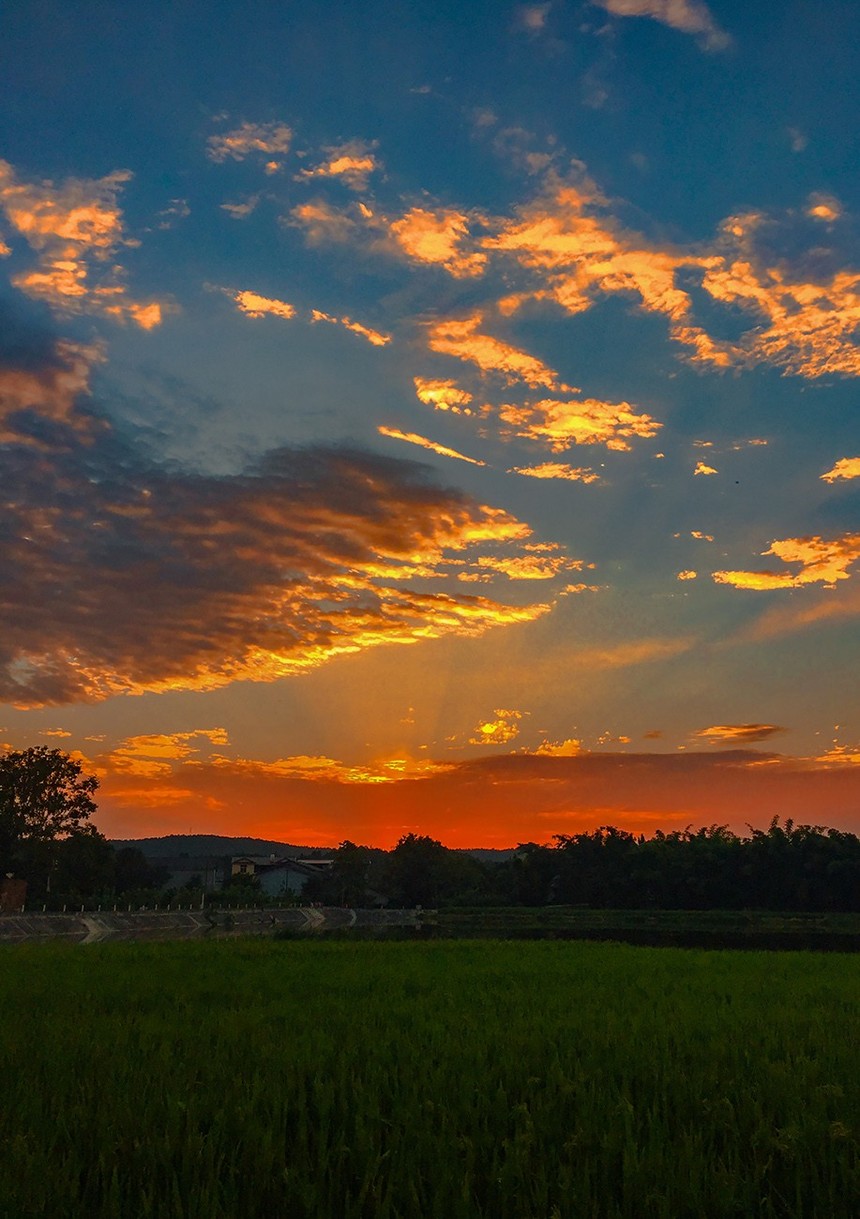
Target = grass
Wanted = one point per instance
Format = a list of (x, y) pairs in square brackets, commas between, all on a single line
[(446, 1080)]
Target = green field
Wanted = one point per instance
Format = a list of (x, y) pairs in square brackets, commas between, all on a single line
[(547, 1080)]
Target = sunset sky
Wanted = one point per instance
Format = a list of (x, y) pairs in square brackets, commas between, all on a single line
[(433, 417)]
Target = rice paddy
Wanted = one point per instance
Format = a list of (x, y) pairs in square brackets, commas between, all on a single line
[(441, 1080)]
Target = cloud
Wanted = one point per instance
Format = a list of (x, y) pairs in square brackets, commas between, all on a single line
[(351, 163), (569, 748), (559, 425), (738, 734), (833, 606), (270, 139), (846, 467), (122, 576), (558, 470), (148, 756), (323, 223), (688, 16), (241, 211), (424, 443), (822, 561), (463, 339), (437, 237), (687, 575), (703, 468), (258, 306), (48, 387), (375, 337), (532, 17), (443, 395), (497, 731), (76, 229)]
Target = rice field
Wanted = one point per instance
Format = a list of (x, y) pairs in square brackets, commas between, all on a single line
[(442, 1080)]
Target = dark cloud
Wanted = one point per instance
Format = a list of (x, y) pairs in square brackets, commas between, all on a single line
[(121, 574)]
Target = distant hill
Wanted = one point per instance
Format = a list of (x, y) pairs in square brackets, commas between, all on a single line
[(171, 846)]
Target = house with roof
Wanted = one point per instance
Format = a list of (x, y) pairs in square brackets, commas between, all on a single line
[(278, 876)]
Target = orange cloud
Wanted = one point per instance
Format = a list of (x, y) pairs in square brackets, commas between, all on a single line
[(462, 339), (51, 389), (76, 229), (258, 306), (321, 769), (687, 575), (267, 138), (499, 731), (311, 555), (374, 337), (437, 237), (703, 468), (563, 424), (688, 16), (557, 469), (821, 561), (322, 222), (846, 467), (352, 163), (424, 443), (738, 734), (442, 395), (569, 748)]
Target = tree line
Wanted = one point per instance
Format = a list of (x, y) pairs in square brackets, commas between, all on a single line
[(785, 867), (47, 839)]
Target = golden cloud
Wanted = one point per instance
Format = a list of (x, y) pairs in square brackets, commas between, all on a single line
[(423, 443), (560, 424), (846, 467), (569, 748), (76, 229), (463, 339), (267, 138), (822, 561), (258, 306), (437, 237), (687, 575), (352, 163), (312, 554), (703, 468), (321, 769), (374, 337), (443, 395), (498, 731), (558, 469), (738, 734)]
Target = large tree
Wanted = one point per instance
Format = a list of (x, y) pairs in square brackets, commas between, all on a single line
[(44, 798)]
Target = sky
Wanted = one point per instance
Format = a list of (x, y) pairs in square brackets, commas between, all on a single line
[(433, 418)]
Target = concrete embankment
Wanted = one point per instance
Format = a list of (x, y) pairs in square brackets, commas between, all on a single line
[(89, 927)]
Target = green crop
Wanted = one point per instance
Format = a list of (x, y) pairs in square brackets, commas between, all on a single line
[(447, 1080)]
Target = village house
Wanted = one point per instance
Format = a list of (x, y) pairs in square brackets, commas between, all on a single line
[(278, 876)]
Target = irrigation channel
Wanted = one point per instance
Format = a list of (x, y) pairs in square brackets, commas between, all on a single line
[(647, 928)]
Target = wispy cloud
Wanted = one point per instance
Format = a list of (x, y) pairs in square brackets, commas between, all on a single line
[(464, 339), (258, 306), (821, 561), (76, 229), (688, 16), (558, 470), (423, 443), (351, 163), (272, 140), (443, 395), (738, 734)]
